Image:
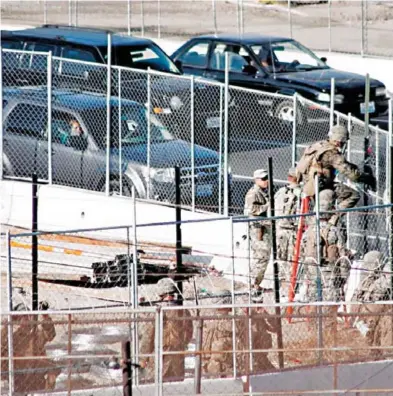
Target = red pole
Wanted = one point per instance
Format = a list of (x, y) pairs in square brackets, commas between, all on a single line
[(295, 264)]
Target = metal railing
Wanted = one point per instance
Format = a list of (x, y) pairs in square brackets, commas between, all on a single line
[(320, 26), (104, 138)]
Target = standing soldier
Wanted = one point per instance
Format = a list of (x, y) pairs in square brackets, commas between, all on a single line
[(325, 159), (217, 339), (177, 335), (335, 264), (375, 287), (257, 205), (286, 202)]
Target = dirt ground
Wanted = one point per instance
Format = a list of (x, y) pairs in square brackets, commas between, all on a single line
[(182, 18)]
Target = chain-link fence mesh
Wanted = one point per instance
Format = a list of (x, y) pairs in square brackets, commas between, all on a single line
[(366, 25)]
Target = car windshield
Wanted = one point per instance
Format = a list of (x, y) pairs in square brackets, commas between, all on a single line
[(287, 56), (143, 57), (133, 126)]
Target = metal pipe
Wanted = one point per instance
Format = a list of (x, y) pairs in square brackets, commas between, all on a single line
[(49, 93), (332, 94), (34, 244), (127, 372), (233, 298), (348, 243), (366, 166), (10, 308), (148, 132), (108, 113), (179, 252), (220, 157), (377, 155), (135, 250), (192, 104), (214, 17), (157, 350), (142, 19), (319, 258), (159, 19), (161, 354), (226, 136), (129, 17), (294, 129), (290, 18), (69, 350), (120, 135)]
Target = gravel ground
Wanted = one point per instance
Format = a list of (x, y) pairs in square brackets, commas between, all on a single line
[(177, 18)]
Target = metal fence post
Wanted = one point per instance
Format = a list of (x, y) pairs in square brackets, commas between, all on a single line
[(158, 18), (348, 244), (192, 105), (129, 17), (290, 18), (226, 136), (332, 94), (157, 350), (1, 114), (142, 19), (220, 155), (294, 129), (49, 93), (214, 16), (161, 354), (108, 114), (318, 280), (10, 332), (233, 298), (120, 135), (148, 132)]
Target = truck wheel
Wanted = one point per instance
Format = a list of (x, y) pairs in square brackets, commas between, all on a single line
[(285, 111)]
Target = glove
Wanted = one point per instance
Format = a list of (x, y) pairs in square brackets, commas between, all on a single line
[(369, 180), (43, 306)]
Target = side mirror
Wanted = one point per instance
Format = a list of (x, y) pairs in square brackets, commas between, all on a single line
[(179, 65), (77, 142), (323, 59), (249, 69)]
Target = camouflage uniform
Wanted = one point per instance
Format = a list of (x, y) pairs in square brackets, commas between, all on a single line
[(334, 271), (324, 159), (257, 205), (30, 335), (286, 202), (178, 330), (374, 287), (261, 328)]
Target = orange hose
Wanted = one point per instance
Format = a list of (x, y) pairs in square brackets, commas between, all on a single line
[(295, 265)]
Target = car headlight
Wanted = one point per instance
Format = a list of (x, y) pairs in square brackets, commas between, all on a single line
[(176, 103), (325, 97), (166, 175), (381, 91)]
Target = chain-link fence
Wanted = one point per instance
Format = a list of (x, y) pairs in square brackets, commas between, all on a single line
[(112, 143), (199, 349), (366, 25)]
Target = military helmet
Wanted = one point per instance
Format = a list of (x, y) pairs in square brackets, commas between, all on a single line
[(373, 259), (166, 286), (339, 134), (326, 200)]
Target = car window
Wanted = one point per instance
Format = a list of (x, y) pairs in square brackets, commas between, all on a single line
[(27, 119), (72, 68), (65, 125), (238, 57), (196, 56), (8, 44), (36, 61), (11, 59), (143, 57), (284, 56)]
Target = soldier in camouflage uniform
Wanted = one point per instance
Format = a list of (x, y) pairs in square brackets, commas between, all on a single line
[(335, 264), (374, 287), (257, 205), (286, 202), (326, 159), (177, 335), (217, 337)]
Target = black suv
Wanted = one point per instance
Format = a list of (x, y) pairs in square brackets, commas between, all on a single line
[(278, 65), (170, 96), (79, 146)]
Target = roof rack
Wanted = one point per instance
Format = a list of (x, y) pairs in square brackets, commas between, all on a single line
[(92, 29)]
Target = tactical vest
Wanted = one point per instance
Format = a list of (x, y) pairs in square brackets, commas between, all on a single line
[(286, 204), (310, 165), (369, 291)]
